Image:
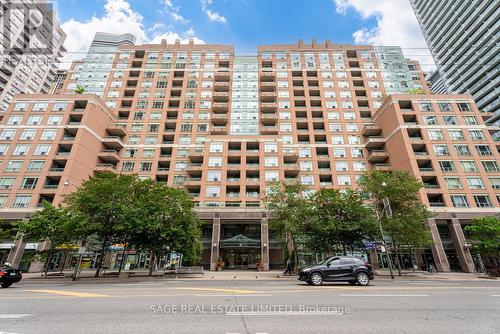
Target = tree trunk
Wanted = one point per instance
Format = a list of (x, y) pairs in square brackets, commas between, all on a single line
[(63, 261), (123, 260), (396, 256), (47, 262), (151, 262), (101, 257), (344, 249)]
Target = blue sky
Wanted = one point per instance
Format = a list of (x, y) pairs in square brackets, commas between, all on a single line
[(245, 23)]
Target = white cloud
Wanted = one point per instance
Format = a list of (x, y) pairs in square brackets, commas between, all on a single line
[(171, 37), (212, 15), (119, 17), (174, 11), (396, 25)]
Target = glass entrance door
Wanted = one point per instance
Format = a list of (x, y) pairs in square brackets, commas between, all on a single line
[(241, 258)]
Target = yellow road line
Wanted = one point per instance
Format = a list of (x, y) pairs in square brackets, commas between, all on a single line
[(71, 293), (220, 290)]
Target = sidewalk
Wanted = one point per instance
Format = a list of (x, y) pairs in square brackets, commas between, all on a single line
[(88, 276)]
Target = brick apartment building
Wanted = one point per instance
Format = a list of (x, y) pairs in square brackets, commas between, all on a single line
[(223, 126)]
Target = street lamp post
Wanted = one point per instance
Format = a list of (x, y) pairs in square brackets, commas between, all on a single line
[(388, 211)]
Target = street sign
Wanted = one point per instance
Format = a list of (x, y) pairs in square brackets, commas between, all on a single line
[(369, 245)]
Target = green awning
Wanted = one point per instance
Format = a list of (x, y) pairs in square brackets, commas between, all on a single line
[(240, 241)]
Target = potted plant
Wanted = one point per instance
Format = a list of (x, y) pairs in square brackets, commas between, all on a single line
[(259, 263), (220, 264)]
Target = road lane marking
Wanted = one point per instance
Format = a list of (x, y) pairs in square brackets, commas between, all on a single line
[(495, 295), (378, 295), (71, 293), (240, 291), (14, 316), (244, 295)]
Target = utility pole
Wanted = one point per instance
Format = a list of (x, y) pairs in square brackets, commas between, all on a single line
[(379, 221)]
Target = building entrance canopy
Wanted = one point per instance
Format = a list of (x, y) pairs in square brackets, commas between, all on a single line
[(240, 241)]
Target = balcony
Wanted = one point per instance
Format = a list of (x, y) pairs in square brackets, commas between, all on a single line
[(292, 167), (116, 130), (113, 142), (220, 107), (378, 156), (269, 117), (220, 96), (268, 106), (221, 86), (109, 156), (267, 86), (194, 181), (382, 167), (269, 130), (267, 76), (222, 76), (371, 130), (105, 168), (218, 130), (375, 142), (194, 167)]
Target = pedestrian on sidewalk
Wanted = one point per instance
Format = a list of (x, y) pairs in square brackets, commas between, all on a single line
[(288, 268)]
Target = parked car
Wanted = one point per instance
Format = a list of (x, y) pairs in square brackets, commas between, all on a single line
[(338, 269), (9, 275)]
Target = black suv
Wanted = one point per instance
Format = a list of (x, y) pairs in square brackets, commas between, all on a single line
[(9, 276), (338, 269)]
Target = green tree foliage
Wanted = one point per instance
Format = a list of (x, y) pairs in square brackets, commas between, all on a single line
[(101, 207), (485, 235), (50, 224), (79, 89), (143, 214), (162, 217), (406, 226), (290, 208), (340, 218)]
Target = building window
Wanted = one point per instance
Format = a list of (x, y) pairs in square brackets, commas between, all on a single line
[(425, 106), (344, 180), (476, 134), (459, 201), (435, 134), (482, 201), (28, 134), (446, 166), (475, 183), (48, 134), (146, 166), (214, 176), (271, 176), (490, 166), (469, 166), (462, 149), (450, 120), (128, 166), (29, 183), (35, 165), (21, 201), (464, 106), (270, 147), (21, 149), (307, 180), (441, 150), (60, 106), (14, 166), (213, 192), (42, 149), (495, 182), (216, 147), (215, 162), (456, 134), (483, 150), (453, 183), (444, 106), (431, 120)]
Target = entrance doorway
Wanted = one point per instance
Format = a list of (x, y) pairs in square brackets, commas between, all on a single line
[(240, 246), (241, 258)]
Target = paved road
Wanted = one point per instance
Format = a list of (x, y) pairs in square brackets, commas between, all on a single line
[(189, 306)]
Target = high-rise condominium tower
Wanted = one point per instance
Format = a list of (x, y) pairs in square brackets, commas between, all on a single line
[(31, 42), (463, 36), (223, 126)]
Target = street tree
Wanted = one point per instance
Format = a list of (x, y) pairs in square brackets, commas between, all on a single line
[(485, 235), (101, 207), (51, 224), (340, 218), (290, 208), (405, 223), (164, 217)]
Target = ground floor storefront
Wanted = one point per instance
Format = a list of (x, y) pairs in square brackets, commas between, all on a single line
[(236, 239)]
